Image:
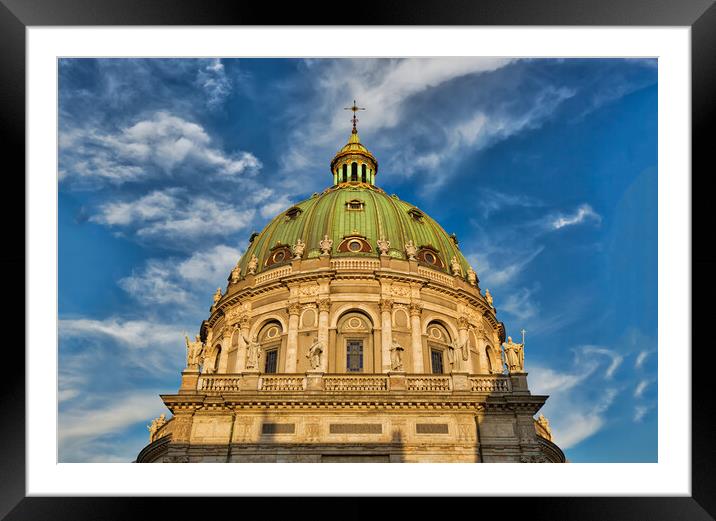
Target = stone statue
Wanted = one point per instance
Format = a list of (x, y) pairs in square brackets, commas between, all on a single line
[(488, 297), (471, 276), (209, 363), (194, 352), (455, 265), (253, 264), (298, 248), (396, 356), (457, 353), (383, 246), (544, 423), (314, 354), (410, 250), (326, 244), (514, 355), (156, 424), (217, 296), (236, 274), (253, 352)]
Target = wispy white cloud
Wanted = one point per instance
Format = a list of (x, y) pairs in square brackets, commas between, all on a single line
[(174, 214), (173, 280), (616, 358), (159, 146), (509, 267), (640, 412), (578, 425), (584, 213), (134, 334), (213, 80), (641, 387), (519, 304), (640, 359)]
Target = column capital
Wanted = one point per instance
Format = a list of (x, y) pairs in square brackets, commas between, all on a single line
[(415, 309), (324, 304), (386, 305), (294, 308), (463, 322), (244, 321)]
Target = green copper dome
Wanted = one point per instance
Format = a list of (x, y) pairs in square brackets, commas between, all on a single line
[(349, 214)]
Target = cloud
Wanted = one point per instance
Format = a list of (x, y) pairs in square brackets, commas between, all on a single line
[(492, 276), (519, 304), (640, 359), (84, 428), (165, 281), (213, 80), (134, 334), (640, 388), (174, 214), (576, 426), (492, 201), (584, 213), (162, 145), (640, 412), (616, 359)]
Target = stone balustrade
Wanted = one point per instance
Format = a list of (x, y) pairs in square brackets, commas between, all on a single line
[(437, 276), (355, 264), (490, 384), (429, 383), (273, 274), (232, 383), (355, 383)]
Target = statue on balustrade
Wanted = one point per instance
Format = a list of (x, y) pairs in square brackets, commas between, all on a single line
[(514, 356), (326, 244), (252, 265), (383, 246), (314, 354), (396, 356), (298, 248), (194, 352), (253, 352), (156, 424), (209, 364)]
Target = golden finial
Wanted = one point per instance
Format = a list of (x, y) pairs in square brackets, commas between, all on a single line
[(355, 108)]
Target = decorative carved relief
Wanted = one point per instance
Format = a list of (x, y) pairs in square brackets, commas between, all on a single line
[(324, 304), (415, 309), (386, 305), (294, 308)]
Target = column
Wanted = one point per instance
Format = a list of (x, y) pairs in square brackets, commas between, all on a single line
[(386, 331), (225, 348), (294, 310), (324, 306), (417, 340)]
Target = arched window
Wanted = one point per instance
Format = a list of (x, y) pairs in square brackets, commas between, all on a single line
[(363, 174), (270, 340), (354, 171), (345, 173), (489, 355), (354, 336), (438, 341)]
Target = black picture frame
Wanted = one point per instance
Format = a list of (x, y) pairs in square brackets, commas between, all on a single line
[(700, 15)]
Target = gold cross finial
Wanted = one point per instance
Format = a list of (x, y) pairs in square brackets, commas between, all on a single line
[(355, 108)]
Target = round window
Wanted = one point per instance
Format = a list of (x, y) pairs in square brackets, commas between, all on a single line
[(279, 256), (429, 258), (355, 246)]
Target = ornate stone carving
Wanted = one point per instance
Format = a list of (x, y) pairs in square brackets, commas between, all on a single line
[(253, 352), (536, 458), (156, 424), (386, 305), (383, 246), (253, 264), (463, 322), (297, 249), (514, 355), (415, 309), (217, 296), (471, 276), (236, 274), (396, 356), (233, 314), (411, 250), (294, 308), (455, 266), (326, 245), (400, 291), (457, 354), (194, 352), (544, 423), (488, 298), (177, 459), (308, 290), (314, 354), (324, 304)]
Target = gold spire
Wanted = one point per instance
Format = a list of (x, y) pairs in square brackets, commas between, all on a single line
[(355, 108)]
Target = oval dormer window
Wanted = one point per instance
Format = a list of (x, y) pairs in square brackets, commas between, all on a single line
[(292, 213), (416, 214)]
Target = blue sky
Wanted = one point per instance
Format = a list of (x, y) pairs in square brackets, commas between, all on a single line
[(546, 170)]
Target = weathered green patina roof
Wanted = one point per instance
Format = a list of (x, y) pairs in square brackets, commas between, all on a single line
[(382, 216)]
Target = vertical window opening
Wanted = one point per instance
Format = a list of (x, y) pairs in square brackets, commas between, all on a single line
[(354, 356)]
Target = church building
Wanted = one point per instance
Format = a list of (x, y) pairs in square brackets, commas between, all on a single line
[(353, 329)]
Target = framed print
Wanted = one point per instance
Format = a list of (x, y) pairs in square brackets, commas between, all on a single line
[(457, 237)]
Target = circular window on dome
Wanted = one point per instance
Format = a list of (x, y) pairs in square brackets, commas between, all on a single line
[(429, 258), (355, 246), (279, 256)]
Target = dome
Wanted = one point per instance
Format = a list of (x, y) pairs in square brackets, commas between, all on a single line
[(355, 217)]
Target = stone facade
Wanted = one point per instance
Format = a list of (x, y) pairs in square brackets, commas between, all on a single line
[(260, 395)]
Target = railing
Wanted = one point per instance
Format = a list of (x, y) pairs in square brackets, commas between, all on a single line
[(218, 383), (224, 383), (282, 383), (436, 276), (273, 274), (429, 383), (355, 383), (355, 264), (490, 384)]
